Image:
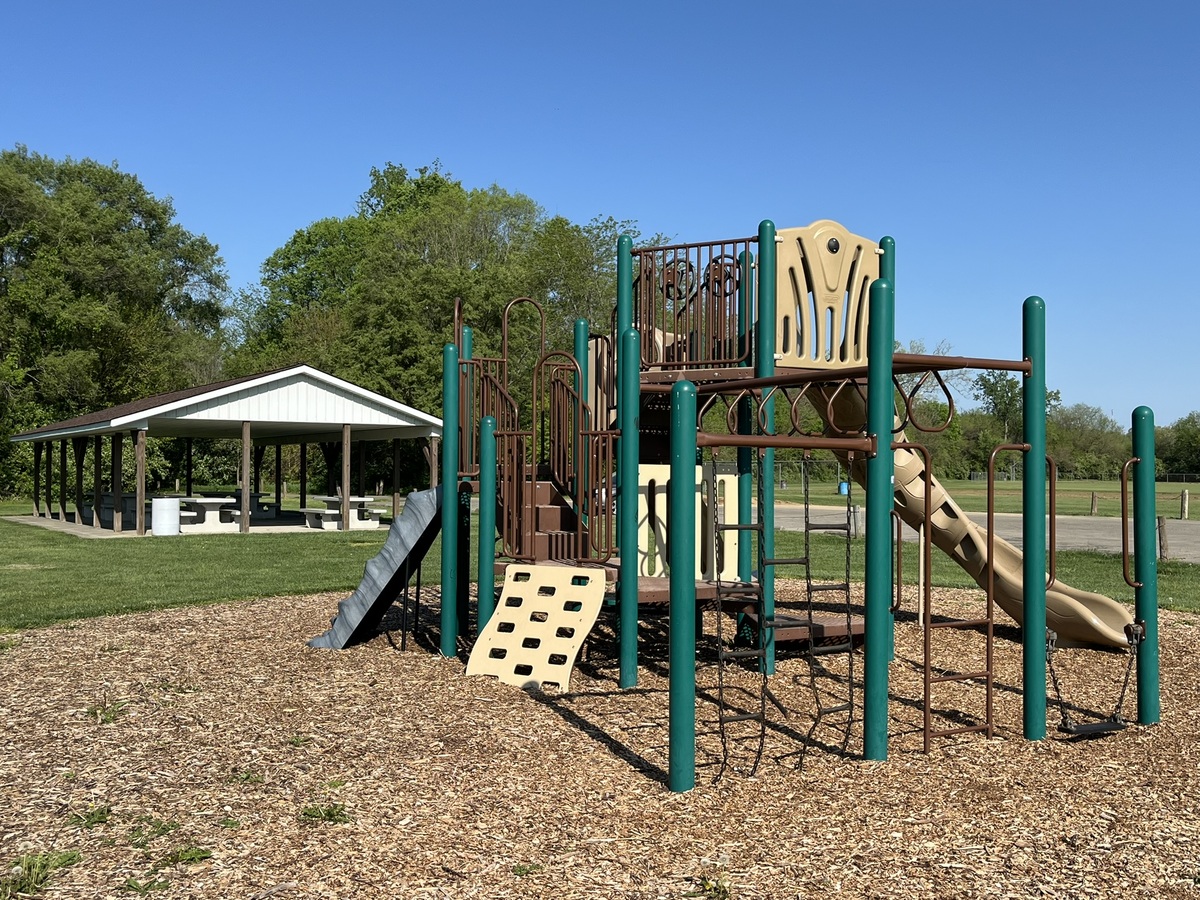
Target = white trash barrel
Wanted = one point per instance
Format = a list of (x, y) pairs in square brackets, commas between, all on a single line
[(164, 515)]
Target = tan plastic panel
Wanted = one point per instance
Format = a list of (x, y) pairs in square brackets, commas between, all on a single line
[(825, 275), (534, 636), (653, 513)]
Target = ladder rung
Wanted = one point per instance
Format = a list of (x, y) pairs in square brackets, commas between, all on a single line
[(826, 649), (750, 526), (1087, 728), (818, 588), (826, 710), (756, 653), (969, 676), (784, 561), (832, 526)]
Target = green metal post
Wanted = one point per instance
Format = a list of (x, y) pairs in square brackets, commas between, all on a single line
[(1033, 511), (681, 500), (624, 284), (486, 604), (467, 457), (449, 500), (745, 422), (629, 399), (764, 367), (887, 271), (1145, 565), (880, 477)]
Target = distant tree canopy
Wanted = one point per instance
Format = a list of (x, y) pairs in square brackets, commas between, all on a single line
[(103, 296), (370, 297)]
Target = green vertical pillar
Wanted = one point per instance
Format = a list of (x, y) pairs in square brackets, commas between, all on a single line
[(681, 558), (1033, 511), (1145, 565), (486, 604), (745, 419), (449, 500), (880, 478), (629, 387), (887, 271), (466, 458), (764, 367), (629, 352)]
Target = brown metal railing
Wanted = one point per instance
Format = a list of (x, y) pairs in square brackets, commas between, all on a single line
[(686, 300)]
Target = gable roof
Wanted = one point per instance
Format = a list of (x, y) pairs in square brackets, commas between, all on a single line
[(298, 404)]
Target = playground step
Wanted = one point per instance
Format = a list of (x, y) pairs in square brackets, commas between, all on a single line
[(546, 494), (756, 653), (554, 545), (554, 517), (826, 629)]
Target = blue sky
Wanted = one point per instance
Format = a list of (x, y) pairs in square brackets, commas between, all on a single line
[(1010, 148)]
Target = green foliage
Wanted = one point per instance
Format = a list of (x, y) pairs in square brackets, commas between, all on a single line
[(185, 856), (107, 711), (1179, 444), (29, 873), (147, 829), (97, 815), (329, 814), (145, 887), (103, 296), (523, 869)]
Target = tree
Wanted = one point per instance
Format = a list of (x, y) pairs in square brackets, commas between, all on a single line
[(1179, 445), (103, 296), (1001, 396), (1086, 442)]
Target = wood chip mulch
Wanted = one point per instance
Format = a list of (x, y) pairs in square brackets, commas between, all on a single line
[(207, 752)]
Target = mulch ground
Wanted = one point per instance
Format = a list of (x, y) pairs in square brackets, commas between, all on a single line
[(208, 752)]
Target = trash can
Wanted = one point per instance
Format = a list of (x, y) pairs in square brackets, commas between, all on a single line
[(843, 488), (164, 515)]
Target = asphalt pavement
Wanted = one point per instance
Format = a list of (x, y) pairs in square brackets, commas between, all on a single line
[(1101, 533)]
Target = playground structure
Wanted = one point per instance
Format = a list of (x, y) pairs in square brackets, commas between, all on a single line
[(608, 469)]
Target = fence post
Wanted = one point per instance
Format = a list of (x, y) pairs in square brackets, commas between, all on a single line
[(1183, 505)]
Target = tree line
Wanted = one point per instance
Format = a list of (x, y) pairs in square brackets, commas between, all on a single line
[(106, 298)]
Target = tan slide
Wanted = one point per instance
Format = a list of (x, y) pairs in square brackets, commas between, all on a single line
[(1077, 616)]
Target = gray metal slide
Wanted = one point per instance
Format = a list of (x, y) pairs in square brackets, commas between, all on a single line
[(386, 573)]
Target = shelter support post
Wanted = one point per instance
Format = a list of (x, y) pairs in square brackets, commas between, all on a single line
[(37, 478), (79, 449), (49, 479), (62, 480), (117, 480), (345, 482), (247, 479), (187, 469), (139, 454), (303, 475), (395, 478), (278, 478), (97, 478)]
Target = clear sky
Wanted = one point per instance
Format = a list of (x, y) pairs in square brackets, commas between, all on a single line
[(1011, 148)]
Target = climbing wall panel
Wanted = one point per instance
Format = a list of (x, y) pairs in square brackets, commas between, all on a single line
[(534, 636)]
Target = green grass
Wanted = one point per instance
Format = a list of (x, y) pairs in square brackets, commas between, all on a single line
[(331, 814), (1072, 498), (48, 577), (28, 874)]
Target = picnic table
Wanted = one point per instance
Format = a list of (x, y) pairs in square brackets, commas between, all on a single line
[(208, 514), (362, 516)]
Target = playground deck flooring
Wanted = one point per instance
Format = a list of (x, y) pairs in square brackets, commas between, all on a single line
[(135, 739)]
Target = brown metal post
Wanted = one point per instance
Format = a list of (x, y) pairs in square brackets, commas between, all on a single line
[(246, 478), (37, 478), (345, 507), (97, 478), (139, 510), (432, 454), (117, 481)]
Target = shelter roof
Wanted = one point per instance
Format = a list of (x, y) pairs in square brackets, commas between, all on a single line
[(298, 404)]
